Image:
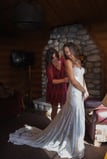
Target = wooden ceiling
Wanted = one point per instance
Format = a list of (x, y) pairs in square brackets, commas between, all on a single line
[(55, 13)]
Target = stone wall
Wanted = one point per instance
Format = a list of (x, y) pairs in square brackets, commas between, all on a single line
[(92, 57)]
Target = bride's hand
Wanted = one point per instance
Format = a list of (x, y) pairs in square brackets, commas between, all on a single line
[(83, 92), (86, 95)]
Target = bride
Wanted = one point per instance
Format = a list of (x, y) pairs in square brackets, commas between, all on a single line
[(65, 133)]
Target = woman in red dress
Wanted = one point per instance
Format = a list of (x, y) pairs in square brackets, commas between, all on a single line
[(56, 80)]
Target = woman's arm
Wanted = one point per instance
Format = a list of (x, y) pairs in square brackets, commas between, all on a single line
[(86, 94), (51, 78), (61, 80), (69, 70)]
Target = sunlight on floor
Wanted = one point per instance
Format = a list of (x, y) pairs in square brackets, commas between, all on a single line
[(105, 157), (101, 133)]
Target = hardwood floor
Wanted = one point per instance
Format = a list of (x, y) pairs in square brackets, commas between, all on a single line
[(9, 151)]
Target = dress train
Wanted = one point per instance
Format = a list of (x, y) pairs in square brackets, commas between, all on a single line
[(65, 134)]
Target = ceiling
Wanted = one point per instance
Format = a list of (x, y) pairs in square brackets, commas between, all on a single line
[(28, 15)]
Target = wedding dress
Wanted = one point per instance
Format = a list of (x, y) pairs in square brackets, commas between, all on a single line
[(65, 134)]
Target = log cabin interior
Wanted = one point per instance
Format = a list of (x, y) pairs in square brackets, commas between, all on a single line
[(28, 25), (32, 26)]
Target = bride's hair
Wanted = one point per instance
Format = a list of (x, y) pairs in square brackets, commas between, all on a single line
[(73, 48)]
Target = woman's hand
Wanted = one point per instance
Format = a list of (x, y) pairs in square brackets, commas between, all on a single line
[(86, 95), (66, 79)]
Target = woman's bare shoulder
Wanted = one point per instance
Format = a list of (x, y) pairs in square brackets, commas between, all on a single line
[(68, 62)]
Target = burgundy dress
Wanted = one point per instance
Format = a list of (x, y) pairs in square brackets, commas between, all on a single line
[(56, 93)]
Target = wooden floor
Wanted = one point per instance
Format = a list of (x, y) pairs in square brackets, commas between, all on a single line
[(10, 151)]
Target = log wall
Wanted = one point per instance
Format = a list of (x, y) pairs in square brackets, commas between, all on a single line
[(18, 78)]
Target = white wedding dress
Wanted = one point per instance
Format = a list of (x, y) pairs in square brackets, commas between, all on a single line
[(65, 134)]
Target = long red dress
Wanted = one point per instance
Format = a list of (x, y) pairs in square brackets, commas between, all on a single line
[(56, 93)]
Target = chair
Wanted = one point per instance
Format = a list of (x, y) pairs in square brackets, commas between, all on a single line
[(96, 120)]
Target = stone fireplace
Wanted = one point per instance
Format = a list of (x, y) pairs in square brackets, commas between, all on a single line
[(89, 50)]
